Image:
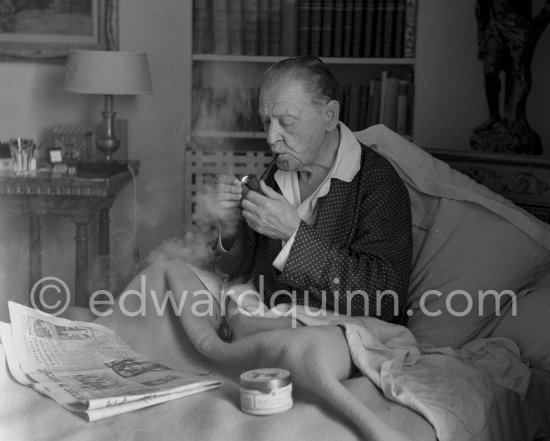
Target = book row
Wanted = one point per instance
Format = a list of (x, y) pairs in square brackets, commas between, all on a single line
[(386, 100), (327, 28)]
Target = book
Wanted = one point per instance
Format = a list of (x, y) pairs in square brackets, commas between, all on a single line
[(250, 27), (327, 28), (357, 28), (363, 107), (379, 34), (202, 27), (304, 30), (220, 23), (354, 106), (369, 28), (401, 122), (236, 31), (289, 27), (348, 28), (409, 38), (399, 29), (263, 26), (373, 111), (275, 16), (384, 75), (87, 368), (316, 27), (338, 49), (410, 102), (388, 109), (346, 104), (389, 15)]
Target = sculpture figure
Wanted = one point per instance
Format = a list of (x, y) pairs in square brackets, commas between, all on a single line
[(507, 35)]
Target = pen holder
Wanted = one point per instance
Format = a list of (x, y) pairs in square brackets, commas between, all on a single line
[(21, 154)]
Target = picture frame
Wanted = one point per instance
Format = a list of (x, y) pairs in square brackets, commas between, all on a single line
[(56, 157), (49, 30)]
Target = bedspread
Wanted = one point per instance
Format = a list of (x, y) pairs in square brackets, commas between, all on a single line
[(215, 415)]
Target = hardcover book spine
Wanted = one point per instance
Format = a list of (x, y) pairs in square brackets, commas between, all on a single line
[(364, 105), (354, 106), (339, 7), (384, 75), (275, 8), (410, 29), (304, 34), (357, 31), (202, 27), (236, 31), (389, 14), (348, 28), (380, 20), (401, 123), (369, 28), (220, 14), (346, 105), (250, 27), (289, 27), (327, 33), (390, 114), (316, 26), (263, 26), (373, 109), (399, 32)]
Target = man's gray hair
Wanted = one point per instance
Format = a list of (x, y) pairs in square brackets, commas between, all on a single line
[(315, 75)]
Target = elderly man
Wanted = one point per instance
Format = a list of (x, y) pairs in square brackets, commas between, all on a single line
[(332, 228), (329, 232)]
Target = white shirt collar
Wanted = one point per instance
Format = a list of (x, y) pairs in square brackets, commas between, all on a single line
[(345, 167)]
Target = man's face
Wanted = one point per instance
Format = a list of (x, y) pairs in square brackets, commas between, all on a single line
[(294, 124)]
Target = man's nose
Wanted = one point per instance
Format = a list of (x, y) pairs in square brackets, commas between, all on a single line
[(273, 133)]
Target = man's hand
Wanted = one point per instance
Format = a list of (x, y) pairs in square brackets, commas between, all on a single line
[(227, 200), (270, 213)]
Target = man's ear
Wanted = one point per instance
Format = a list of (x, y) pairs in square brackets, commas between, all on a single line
[(332, 114)]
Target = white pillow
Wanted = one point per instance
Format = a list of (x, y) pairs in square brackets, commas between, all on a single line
[(466, 250)]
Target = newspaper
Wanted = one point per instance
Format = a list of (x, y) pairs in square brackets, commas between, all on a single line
[(87, 368)]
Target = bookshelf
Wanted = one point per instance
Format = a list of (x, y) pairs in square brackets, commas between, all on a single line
[(368, 43), (329, 60)]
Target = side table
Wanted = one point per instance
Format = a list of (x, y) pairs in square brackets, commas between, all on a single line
[(82, 198)]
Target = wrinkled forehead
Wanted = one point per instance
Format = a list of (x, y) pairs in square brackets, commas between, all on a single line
[(284, 92)]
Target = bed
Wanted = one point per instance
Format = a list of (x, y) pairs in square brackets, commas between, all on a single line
[(473, 376)]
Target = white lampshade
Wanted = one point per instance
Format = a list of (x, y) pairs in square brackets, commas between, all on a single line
[(108, 73)]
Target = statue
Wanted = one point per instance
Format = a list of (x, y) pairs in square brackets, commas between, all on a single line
[(507, 35)]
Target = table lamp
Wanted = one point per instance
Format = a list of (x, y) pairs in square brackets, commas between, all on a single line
[(108, 73)]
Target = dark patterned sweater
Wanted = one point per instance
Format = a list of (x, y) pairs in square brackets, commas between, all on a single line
[(354, 259)]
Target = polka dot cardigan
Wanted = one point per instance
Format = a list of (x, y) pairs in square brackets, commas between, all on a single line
[(354, 259)]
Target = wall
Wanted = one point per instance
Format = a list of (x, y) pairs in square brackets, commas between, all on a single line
[(450, 99), (33, 101)]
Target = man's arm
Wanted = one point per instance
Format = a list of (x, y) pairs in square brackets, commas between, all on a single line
[(239, 258)]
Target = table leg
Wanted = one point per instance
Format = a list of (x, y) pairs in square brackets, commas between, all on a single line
[(35, 253), (104, 249), (81, 263)]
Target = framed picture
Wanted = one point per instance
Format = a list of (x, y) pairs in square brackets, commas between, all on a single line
[(56, 157), (49, 29)]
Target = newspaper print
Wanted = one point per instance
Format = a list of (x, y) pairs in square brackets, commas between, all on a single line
[(87, 368)]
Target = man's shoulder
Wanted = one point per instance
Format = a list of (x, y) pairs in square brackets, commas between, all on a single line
[(375, 165)]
